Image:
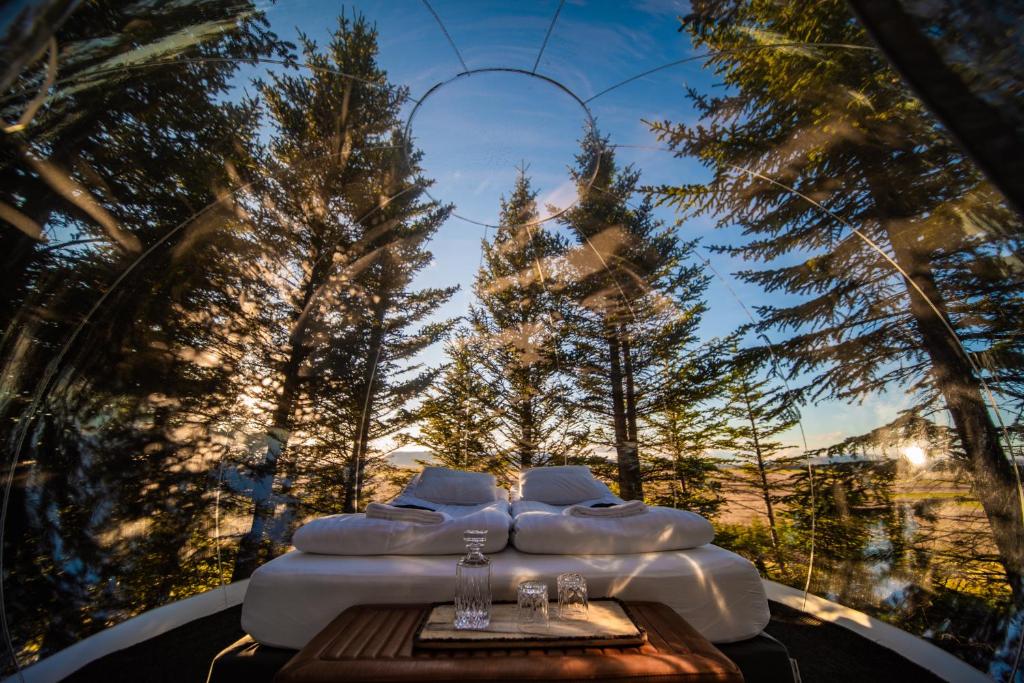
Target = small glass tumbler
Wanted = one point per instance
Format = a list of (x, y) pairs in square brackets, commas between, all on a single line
[(533, 604), (572, 596)]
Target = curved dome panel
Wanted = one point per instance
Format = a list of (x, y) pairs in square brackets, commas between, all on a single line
[(263, 261)]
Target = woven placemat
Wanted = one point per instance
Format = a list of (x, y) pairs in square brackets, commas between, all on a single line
[(608, 624)]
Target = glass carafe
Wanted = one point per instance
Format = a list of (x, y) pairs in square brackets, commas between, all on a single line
[(473, 584)]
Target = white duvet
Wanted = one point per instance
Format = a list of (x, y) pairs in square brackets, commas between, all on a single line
[(357, 534), (294, 596), (548, 529)]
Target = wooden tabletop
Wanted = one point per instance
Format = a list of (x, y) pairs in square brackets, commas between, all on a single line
[(376, 643)]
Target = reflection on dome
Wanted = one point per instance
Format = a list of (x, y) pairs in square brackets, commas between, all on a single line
[(262, 263)]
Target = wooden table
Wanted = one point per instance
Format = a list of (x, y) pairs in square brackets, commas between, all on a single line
[(375, 643)]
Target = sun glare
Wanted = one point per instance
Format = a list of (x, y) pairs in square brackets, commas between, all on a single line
[(915, 455)]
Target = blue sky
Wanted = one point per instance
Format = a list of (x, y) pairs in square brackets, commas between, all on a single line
[(476, 130)]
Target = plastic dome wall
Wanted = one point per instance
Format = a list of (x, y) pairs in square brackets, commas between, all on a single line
[(261, 259)]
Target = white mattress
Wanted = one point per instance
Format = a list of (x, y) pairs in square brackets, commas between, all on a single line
[(294, 596)]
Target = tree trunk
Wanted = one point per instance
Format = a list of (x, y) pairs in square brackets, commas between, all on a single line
[(251, 548), (527, 435), (347, 496), (362, 440), (628, 464), (765, 490), (994, 482), (632, 439), (684, 490), (676, 447), (18, 250)]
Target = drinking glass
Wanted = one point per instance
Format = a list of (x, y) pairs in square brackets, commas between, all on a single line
[(533, 604), (572, 596)]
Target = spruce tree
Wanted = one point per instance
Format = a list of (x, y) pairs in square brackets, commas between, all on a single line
[(838, 509), (839, 128), (638, 301), (457, 420), (758, 412), (519, 337), (685, 429), (343, 223), (167, 123), (396, 321), (115, 161)]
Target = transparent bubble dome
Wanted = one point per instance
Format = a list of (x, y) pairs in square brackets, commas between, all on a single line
[(264, 261)]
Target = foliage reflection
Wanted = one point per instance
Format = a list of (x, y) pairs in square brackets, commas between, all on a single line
[(214, 246)]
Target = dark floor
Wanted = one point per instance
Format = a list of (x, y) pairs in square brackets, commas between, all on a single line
[(825, 653), (182, 655)]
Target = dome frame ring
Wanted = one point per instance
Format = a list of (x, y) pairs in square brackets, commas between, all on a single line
[(591, 122)]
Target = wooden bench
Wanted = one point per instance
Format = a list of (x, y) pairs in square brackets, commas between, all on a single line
[(375, 643)]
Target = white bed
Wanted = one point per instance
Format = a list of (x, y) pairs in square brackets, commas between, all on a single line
[(294, 596)]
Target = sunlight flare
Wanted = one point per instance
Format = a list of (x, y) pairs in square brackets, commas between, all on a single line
[(915, 455)]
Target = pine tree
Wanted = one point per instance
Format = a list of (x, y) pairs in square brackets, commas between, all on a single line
[(838, 509), (758, 413), (838, 126), (518, 336), (343, 223), (457, 421), (129, 417), (396, 327), (638, 301), (167, 123), (686, 427)]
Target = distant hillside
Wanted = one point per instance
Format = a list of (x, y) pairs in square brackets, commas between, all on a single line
[(407, 459)]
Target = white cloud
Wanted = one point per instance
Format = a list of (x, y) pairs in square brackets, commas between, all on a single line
[(560, 197)]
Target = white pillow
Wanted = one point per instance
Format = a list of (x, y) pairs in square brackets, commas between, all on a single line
[(562, 485), (454, 487)]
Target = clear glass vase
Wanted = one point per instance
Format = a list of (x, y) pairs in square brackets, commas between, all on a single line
[(473, 584)]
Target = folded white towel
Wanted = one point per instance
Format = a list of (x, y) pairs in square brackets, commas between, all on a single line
[(397, 514), (633, 507)]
